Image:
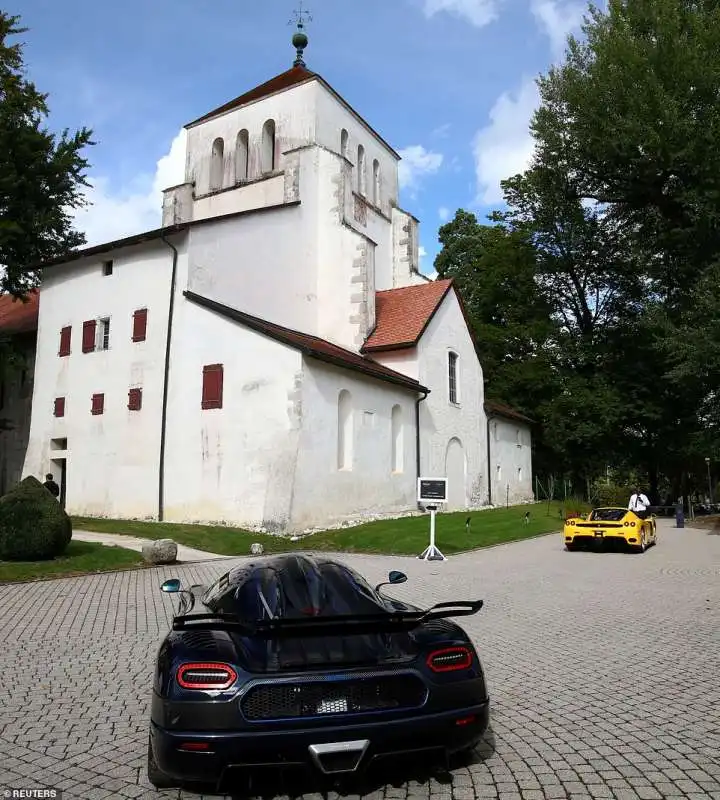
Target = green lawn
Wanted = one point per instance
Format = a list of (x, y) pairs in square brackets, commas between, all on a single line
[(80, 558), (406, 536)]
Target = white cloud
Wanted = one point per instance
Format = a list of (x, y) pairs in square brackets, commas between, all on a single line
[(118, 211), (557, 19), (505, 146), (417, 162), (422, 254), (444, 214), (477, 12)]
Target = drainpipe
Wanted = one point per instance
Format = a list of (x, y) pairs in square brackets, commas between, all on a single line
[(163, 418), (417, 432), (489, 467)]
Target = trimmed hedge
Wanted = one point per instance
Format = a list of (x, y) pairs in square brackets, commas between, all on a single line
[(33, 524)]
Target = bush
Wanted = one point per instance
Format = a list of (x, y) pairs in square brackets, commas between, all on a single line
[(33, 525), (610, 494)]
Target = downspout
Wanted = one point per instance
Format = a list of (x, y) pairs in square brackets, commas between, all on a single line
[(489, 462), (163, 417), (417, 431)]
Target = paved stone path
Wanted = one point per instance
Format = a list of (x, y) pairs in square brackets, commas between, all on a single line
[(136, 543), (603, 670)]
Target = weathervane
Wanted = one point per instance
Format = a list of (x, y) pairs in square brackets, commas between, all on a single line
[(300, 39)]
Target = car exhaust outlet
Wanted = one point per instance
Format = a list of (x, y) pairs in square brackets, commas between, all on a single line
[(335, 758)]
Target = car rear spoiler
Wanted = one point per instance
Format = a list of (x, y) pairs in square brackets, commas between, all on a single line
[(338, 625)]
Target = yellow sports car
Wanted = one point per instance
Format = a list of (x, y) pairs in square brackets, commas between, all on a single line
[(611, 526)]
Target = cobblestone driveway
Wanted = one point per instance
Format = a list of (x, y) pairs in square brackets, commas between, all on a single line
[(603, 671)]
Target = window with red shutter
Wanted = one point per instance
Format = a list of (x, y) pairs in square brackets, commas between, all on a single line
[(212, 393), (98, 404), (135, 399), (59, 407), (65, 341), (139, 325), (88, 340)]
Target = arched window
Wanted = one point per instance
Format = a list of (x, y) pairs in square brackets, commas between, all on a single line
[(216, 164), (345, 431), (397, 439), (376, 182), (519, 473), (344, 143), (361, 170), (241, 156), (268, 146), (453, 377)]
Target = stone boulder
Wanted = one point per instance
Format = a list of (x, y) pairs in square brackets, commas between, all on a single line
[(161, 551), (257, 549)]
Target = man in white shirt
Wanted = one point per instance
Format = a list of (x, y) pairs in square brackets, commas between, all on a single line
[(639, 504)]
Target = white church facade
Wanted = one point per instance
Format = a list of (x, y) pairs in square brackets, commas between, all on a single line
[(271, 356)]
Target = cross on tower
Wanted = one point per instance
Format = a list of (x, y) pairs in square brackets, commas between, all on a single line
[(300, 16), (300, 39)]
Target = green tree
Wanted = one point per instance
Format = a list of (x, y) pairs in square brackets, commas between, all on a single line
[(41, 180), (633, 114), (41, 175)]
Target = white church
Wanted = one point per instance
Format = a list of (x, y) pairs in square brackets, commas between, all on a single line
[(271, 356)]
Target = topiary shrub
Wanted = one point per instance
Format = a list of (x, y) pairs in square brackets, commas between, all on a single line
[(33, 525)]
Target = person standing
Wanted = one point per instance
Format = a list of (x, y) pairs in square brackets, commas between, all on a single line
[(639, 504), (51, 486)]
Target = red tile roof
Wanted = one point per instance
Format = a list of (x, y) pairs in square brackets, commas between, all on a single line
[(285, 80), (17, 316), (401, 315), (493, 408), (311, 346)]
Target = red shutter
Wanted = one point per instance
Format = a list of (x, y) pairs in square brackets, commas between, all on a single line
[(98, 403), (88, 340), (65, 341), (139, 325), (212, 394), (59, 407), (135, 399)]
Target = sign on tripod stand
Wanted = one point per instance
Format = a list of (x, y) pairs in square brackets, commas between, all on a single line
[(432, 492)]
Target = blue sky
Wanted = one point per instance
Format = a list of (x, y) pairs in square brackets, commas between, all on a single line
[(449, 83)]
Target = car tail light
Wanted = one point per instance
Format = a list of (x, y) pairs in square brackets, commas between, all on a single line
[(465, 721), (195, 747), (449, 659), (206, 675)]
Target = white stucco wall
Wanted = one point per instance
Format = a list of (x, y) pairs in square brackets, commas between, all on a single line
[(324, 494), (262, 264), (442, 421), (16, 392), (510, 461), (234, 464), (261, 193), (111, 458), (294, 113), (332, 117)]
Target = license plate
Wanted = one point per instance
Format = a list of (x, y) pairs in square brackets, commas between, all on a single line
[(337, 706), (598, 533)]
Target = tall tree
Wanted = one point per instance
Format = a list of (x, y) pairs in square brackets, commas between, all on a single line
[(41, 175), (633, 113)]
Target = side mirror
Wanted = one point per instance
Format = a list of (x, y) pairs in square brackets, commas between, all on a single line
[(171, 586), (394, 576)]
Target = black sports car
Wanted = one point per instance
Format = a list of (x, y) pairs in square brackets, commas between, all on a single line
[(296, 661)]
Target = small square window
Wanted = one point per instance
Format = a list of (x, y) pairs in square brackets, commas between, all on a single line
[(107, 267)]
